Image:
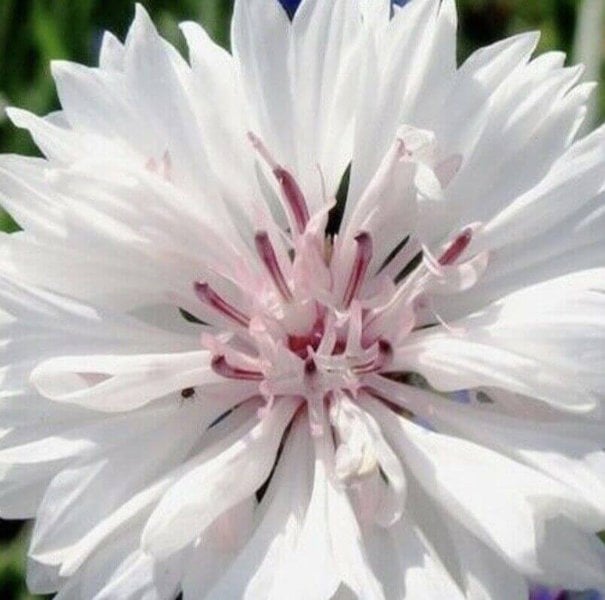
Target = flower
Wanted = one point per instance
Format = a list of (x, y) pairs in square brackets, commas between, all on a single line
[(218, 379)]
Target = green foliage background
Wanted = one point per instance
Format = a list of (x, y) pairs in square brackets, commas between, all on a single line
[(34, 32)]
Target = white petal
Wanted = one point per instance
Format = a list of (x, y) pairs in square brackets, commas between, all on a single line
[(217, 548), (217, 98), (476, 487), (22, 492), (120, 570), (387, 208), (555, 328), (452, 362), (360, 435), (208, 490), (569, 557), (330, 542), (282, 510), (37, 325), (260, 35), (486, 575), (531, 109), (565, 449), (151, 74), (41, 326), (299, 78), (111, 56), (325, 38), (89, 491), (580, 171), (572, 245), (407, 63), (408, 566), (98, 102), (59, 144), (120, 383)]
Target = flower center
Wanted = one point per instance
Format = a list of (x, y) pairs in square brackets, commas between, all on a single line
[(309, 323)]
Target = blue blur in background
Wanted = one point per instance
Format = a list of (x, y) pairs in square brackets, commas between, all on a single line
[(542, 593), (292, 5)]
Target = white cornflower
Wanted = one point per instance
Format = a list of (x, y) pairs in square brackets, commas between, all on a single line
[(209, 387)]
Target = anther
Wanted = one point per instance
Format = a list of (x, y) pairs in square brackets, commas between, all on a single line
[(209, 297), (294, 196), (221, 367), (456, 248), (291, 191), (360, 267), (265, 250)]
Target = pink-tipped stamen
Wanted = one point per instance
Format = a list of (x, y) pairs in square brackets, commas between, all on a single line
[(209, 297), (291, 191), (221, 367), (456, 248), (360, 267), (266, 252)]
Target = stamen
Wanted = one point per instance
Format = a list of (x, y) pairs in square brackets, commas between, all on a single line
[(221, 367), (360, 267), (267, 255), (208, 296), (293, 194), (457, 247), (290, 189)]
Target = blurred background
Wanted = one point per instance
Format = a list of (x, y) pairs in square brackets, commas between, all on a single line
[(34, 32)]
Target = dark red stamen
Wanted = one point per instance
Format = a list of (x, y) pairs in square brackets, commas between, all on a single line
[(209, 297), (360, 267), (290, 189), (267, 255), (223, 368), (294, 196), (457, 247)]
